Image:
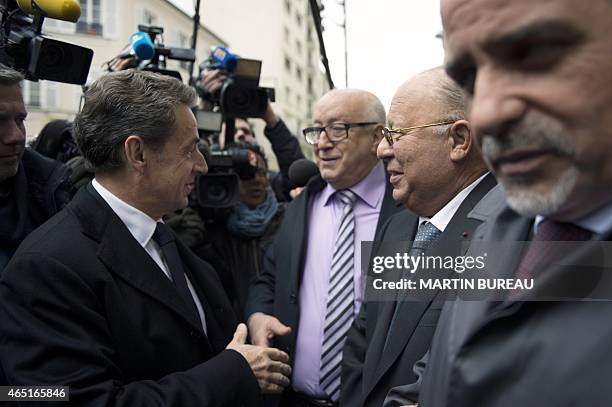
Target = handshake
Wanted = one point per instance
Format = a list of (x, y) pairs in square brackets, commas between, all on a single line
[(269, 365)]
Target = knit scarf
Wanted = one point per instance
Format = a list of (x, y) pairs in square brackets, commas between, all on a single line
[(252, 223)]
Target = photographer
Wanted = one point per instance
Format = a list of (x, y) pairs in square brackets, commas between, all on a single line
[(234, 241), (285, 146)]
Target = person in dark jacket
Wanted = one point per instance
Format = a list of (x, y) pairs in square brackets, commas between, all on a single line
[(234, 242), (32, 187), (285, 145)]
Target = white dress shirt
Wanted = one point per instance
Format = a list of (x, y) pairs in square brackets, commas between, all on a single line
[(443, 217)]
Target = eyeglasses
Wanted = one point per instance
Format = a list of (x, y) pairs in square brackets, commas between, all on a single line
[(335, 131), (389, 133)]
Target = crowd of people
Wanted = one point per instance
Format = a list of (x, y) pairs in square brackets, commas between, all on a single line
[(123, 292)]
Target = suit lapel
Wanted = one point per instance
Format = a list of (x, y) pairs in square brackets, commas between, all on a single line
[(220, 322), (507, 227), (459, 231), (372, 361), (122, 254)]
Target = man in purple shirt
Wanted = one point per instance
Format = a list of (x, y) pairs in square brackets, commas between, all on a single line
[(311, 286)]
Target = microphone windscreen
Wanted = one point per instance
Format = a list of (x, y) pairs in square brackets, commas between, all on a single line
[(301, 171)]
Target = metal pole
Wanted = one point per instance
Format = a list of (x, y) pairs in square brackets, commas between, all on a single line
[(314, 8), (194, 37), (345, 46)]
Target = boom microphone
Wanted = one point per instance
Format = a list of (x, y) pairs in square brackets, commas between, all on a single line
[(301, 171), (66, 10)]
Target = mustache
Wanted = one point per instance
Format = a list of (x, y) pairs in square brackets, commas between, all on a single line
[(533, 133)]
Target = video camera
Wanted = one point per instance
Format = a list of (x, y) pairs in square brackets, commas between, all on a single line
[(24, 47), (157, 63), (218, 189), (240, 95)]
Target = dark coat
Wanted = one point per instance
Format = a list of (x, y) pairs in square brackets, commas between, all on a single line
[(522, 353), (41, 188), (367, 372), (82, 304)]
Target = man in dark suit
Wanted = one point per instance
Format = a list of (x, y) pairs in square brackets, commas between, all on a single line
[(103, 298), (311, 286), (32, 187), (437, 172), (539, 79)]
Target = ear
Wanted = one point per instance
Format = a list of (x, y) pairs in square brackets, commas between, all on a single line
[(460, 140), (135, 153), (376, 137)]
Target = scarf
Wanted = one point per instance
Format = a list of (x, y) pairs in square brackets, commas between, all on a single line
[(252, 223)]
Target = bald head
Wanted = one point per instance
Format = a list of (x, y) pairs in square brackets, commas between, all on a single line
[(436, 159), (434, 94), (355, 101)]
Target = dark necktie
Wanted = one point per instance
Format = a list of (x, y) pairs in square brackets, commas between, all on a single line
[(340, 298), (426, 234), (540, 253), (167, 242)]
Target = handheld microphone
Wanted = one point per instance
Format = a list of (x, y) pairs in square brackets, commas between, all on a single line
[(66, 10), (301, 171), (139, 46)]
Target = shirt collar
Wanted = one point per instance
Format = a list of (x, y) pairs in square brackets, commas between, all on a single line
[(443, 217), (140, 225), (370, 189), (598, 222)]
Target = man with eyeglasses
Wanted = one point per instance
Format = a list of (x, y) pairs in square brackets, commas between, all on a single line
[(311, 286), (438, 174)]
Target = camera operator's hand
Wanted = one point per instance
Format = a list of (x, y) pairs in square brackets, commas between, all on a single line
[(264, 328), (270, 116), (269, 365), (120, 64), (210, 84)]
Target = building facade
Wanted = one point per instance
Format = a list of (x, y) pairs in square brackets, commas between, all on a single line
[(279, 32)]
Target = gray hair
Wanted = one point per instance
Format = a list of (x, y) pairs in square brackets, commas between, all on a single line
[(9, 76), (449, 96), (126, 103)]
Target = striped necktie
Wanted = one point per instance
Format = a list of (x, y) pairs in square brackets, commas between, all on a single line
[(340, 296)]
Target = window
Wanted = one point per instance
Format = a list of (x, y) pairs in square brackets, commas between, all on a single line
[(287, 94), (298, 19), (31, 93), (298, 46), (41, 95), (298, 100), (91, 18), (287, 64), (298, 73), (288, 6), (309, 84)]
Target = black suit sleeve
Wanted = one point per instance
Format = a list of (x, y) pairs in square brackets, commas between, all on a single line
[(287, 149), (352, 361), (262, 289), (54, 332)]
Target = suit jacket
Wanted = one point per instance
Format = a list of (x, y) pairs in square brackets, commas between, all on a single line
[(521, 353), (368, 372), (82, 304), (276, 290)]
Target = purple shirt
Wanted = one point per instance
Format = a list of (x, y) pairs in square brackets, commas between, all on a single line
[(324, 219)]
